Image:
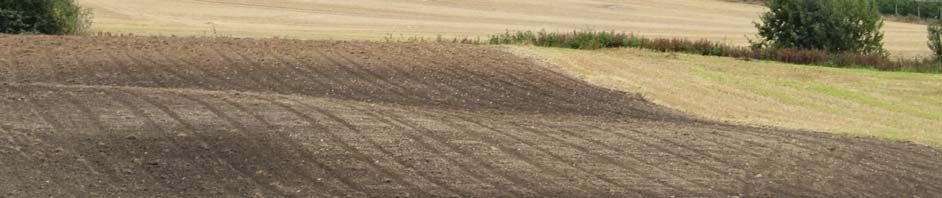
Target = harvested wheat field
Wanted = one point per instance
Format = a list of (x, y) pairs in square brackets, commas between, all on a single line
[(716, 20), (168, 117)]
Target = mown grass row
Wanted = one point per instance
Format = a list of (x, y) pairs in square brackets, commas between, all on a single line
[(590, 40)]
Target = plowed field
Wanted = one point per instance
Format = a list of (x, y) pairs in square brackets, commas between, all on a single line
[(167, 117)]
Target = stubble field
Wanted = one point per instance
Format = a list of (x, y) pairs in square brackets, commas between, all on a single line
[(720, 21)]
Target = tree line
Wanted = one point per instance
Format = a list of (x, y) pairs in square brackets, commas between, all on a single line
[(926, 9)]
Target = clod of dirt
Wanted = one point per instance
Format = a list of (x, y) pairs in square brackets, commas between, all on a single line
[(153, 162)]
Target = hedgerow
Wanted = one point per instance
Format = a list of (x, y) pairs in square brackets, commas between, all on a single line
[(590, 40)]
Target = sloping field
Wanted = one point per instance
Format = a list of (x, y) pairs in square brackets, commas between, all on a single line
[(720, 21), (895, 105), (135, 116)]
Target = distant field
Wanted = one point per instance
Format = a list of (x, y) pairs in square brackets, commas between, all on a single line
[(895, 105), (374, 19)]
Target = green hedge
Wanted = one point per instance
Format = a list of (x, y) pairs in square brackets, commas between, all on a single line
[(43, 17)]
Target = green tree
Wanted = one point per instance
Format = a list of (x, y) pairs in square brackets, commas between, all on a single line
[(43, 16), (831, 25), (935, 39), (12, 22)]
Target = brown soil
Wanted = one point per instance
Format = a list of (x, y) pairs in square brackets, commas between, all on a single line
[(169, 117)]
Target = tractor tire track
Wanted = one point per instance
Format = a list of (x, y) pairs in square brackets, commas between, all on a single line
[(737, 151), (549, 154), (441, 181), (397, 160), (231, 63), (96, 123), (347, 184), (631, 191), (445, 87), (878, 167), (389, 119), (278, 85), (639, 159), (397, 89), (224, 81), (758, 145), (438, 183), (675, 152), (157, 68), (824, 146), (568, 102), (243, 132), (203, 141), (360, 155), (38, 108)]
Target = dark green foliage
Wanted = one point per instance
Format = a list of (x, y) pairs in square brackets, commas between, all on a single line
[(925, 10), (42, 16), (597, 40), (836, 26), (575, 40), (935, 39), (12, 22)]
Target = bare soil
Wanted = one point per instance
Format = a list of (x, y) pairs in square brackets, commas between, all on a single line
[(221, 117)]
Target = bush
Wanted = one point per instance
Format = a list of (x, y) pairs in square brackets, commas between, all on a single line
[(836, 26), (43, 16), (12, 21), (935, 39)]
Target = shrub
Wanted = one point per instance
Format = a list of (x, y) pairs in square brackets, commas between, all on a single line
[(835, 26), (43, 16), (935, 40), (12, 21)]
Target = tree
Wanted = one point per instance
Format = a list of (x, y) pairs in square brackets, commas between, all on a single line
[(43, 16), (831, 25), (12, 22), (935, 39)]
